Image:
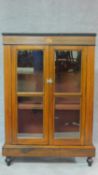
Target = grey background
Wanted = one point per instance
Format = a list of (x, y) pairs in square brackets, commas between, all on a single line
[(48, 16)]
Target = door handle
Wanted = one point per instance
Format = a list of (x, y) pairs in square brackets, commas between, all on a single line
[(49, 81)]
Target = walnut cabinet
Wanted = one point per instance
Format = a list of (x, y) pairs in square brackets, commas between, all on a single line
[(49, 82)]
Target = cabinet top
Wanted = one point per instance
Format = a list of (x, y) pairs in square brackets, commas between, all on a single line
[(71, 39), (49, 34)]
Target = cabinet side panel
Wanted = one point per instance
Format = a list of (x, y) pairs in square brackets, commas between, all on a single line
[(7, 94), (89, 96)]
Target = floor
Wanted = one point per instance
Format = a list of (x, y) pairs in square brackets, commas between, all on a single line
[(47, 166)]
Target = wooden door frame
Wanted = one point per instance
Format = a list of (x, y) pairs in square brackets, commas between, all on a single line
[(7, 94), (16, 140), (73, 141)]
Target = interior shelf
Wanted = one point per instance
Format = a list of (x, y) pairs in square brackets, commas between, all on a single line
[(58, 106), (30, 106)]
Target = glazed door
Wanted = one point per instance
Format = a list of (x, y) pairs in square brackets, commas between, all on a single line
[(29, 94), (67, 93)]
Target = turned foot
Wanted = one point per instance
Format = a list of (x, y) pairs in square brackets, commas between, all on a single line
[(89, 161), (8, 161)]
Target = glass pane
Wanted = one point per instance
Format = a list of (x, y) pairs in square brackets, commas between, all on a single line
[(30, 117), (67, 117), (30, 71), (67, 71)]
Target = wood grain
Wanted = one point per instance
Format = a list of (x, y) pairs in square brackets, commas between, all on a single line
[(49, 151), (48, 145), (89, 96), (7, 91), (49, 40)]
